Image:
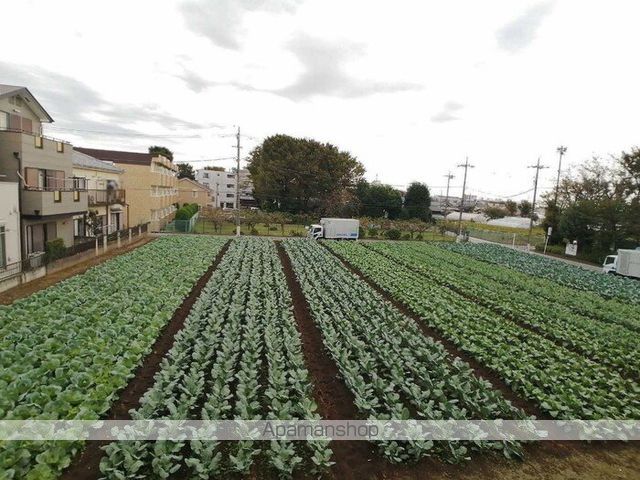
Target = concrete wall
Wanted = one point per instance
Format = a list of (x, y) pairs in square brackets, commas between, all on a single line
[(10, 220)]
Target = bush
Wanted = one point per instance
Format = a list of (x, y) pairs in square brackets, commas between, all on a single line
[(406, 236), (372, 232), (419, 236), (55, 249), (295, 233), (254, 231), (393, 234), (361, 232), (273, 228)]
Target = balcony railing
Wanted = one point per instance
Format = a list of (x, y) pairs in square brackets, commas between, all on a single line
[(105, 197)]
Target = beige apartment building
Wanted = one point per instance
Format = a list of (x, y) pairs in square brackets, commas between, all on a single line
[(50, 195), (107, 207), (150, 185), (190, 191)]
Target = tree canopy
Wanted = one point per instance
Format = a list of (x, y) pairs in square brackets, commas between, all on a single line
[(417, 201), (300, 175), (158, 150), (378, 200), (185, 170)]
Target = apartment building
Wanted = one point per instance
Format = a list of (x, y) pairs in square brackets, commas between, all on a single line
[(190, 191), (222, 184), (50, 195), (107, 207), (149, 182)]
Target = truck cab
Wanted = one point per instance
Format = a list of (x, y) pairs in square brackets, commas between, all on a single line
[(609, 265), (316, 231)]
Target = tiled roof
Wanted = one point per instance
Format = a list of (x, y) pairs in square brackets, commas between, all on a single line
[(132, 158)]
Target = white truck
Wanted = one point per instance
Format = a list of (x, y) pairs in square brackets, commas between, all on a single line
[(335, 228), (625, 263)]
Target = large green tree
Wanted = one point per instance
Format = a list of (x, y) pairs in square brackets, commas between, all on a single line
[(300, 175), (185, 170), (417, 201), (378, 200), (158, 150)]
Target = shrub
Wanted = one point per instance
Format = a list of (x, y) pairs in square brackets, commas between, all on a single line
[(406, 236), (419, 236), (55, 249), (295, 233), (372, 232), (273, 228), (393, 234), (254, 231), (361, 232)]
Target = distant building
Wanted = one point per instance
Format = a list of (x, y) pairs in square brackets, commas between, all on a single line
[(150, 183), (50, 194), (105, 196), (222, 184), (190, 191), (442, 203)]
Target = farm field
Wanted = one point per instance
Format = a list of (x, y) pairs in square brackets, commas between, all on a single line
[(295, 329)]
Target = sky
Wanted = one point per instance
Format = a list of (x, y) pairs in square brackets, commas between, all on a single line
[(410, 88)]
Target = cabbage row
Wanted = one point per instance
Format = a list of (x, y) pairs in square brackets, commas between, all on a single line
[(565, 384), (238, 356), (608, 344), (393, 371), (583, 302), (66, 351), (609, 286)]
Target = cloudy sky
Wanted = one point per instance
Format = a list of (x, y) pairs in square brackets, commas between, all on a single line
[(409, 87)]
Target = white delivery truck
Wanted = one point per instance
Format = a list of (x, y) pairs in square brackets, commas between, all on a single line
[(625, 263), (336, 229)]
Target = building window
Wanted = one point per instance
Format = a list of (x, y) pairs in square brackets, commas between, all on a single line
[(76, 195), (59, 147), (4, 120), (194, 194), (38, 141), (57, 196), (230, 195), (230, 185), (205, 175)]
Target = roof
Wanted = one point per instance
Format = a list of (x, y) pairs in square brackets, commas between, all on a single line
[(131, 158), (82, 160), (194, 183), (10, 90)]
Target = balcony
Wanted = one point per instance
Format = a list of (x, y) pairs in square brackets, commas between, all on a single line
[(105, 197), (43, 202)]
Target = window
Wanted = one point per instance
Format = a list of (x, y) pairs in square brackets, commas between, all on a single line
[(38, 141), (15, 122), (230, 195), (230, 185), (60, 147), (231, 176), (57, 196), (205, 175), (76, 195), (194, 194), (229, 205), (4, 120), (27, 125)]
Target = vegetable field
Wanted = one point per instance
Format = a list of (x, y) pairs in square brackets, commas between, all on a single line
[(393, 319)]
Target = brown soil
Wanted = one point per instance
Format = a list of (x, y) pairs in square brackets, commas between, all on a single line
[(480, 370), (354, 460), (86, 466), (48, 280)]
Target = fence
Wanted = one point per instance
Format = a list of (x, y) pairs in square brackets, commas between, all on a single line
[(33, 262), (184, 226)]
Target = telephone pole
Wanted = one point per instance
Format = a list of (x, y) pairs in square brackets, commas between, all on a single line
[(538, 167), (466, 166), (446, 199), (238, 183), (561, 151)]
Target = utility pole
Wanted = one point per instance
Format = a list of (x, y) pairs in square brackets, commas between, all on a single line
[(561, 151), (464, 187), (238, 183), (446, 199), (538, 167)]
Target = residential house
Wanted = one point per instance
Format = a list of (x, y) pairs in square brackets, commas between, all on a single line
[(50, 195), (149, 182), (190, 191), (246, 190), (9, 227), (105, 196), (222, 183)]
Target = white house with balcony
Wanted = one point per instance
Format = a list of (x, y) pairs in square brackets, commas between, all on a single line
[(50, 195)]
